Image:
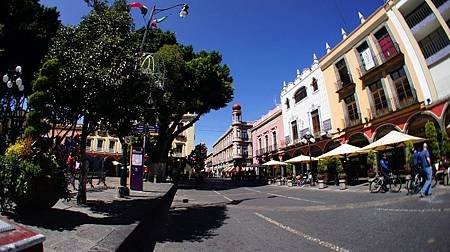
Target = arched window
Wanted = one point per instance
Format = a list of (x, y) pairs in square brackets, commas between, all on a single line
[(300, 94), (314, 84), (287, 104)]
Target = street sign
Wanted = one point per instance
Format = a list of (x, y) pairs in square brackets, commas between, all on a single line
[(137, 168), (153, 129)]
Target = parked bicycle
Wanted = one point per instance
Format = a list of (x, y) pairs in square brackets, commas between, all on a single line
[(378, 183)]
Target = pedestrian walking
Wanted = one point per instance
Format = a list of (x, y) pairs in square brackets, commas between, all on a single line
[(384, 165), (425, 162)]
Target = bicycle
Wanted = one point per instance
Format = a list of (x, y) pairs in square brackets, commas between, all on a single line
[(395, 184), (416, 183)]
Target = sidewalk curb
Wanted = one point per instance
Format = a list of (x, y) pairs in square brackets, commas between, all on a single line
[(152, 228)]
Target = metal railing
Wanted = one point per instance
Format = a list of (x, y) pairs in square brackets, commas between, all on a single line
[(342, 82), (287, 140), (350, 122), (438, 3), (379, 112), (381, 58), (316, 134), (436, 41), (273, 147), (418, 15)]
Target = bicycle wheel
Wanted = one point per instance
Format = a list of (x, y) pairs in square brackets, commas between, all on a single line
[(433, 181), (375, 185), (414, 186), (396, 185)]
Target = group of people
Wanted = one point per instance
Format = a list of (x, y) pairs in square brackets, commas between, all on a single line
[(421, 162)]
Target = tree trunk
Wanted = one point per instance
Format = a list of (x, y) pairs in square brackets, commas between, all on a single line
[(81, 196)]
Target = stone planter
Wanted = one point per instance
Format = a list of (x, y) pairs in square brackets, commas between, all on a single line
[(342, 184), (322, 184), (42, 197)]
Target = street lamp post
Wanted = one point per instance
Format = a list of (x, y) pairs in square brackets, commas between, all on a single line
[(12, 105), (155, 11), (183, 13), (309, 139)]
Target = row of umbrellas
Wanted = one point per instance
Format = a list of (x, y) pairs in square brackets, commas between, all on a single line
[(391, 140)]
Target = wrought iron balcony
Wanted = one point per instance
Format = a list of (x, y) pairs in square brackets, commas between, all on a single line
[(418, 14), (344, 81), (273, 148), (287, 140), (375, 61), (379, 112), (352, 121)]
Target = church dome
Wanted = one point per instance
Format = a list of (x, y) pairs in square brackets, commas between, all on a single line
[(237, 106)]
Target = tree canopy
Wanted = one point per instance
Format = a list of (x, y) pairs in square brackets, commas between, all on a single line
[(195, 83), (197, 157), (92, 72)]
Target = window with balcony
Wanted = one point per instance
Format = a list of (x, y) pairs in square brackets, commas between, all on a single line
[(386, 43), (352, 110), (294, 131), (112, 144), (178, 149), (88, 144), (315, 122), (244, 151), (342, 70), (244, 135), (300, 94), (266, 142), (99, 144), (365, 55), (418, 14), (433, 43), (314, 84), (402, 87), (274, 139), (380, 104)]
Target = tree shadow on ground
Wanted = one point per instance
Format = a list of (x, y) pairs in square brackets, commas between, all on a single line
[(194, 223), (117, 212), (218, 184)]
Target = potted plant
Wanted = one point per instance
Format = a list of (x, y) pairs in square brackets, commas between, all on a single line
[(30, 181), (341, 174), (432, 136), (372, 164), (321, 170)]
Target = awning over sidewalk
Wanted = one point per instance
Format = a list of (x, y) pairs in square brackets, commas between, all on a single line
[(342, 150), (301, 159), (392, 139)]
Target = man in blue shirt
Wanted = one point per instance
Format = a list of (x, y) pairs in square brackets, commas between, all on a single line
[(384, 171), (425, 162)]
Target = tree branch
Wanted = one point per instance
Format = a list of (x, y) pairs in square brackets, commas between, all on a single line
[(188, 125)]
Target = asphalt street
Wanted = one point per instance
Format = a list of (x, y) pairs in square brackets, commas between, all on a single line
[(223, 216)]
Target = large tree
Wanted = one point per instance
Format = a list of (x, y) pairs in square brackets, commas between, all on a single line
[(96, 71), (194, 84)]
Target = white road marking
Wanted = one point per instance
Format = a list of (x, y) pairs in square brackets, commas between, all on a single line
[(223, 195), (325, 244), (288, 197), (414, 210)]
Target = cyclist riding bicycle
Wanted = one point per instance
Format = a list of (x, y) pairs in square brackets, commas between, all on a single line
[(384, 165)]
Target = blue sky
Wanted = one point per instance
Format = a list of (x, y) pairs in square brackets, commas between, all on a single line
[(262, 41)]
